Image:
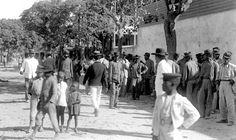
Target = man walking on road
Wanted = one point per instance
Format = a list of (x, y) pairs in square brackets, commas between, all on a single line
[(47, 103), (29, 68), (114, 81), (67, 68), (96, 76), (227, 78)]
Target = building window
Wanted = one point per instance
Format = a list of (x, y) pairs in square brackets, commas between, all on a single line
[(129, 40)]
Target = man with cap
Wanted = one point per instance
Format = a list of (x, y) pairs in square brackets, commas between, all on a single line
[(162, 67), (137, 69), (47, 102), (67, 68), (169, 114), (226, 78), (28, 69), (96, 77), (207, 75), (114, 79), (190, 72), (148, 76)]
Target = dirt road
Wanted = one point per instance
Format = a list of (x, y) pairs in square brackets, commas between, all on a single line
[(131, 121)]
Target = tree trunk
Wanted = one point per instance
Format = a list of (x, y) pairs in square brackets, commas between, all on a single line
[(120, 43), (170, 36)]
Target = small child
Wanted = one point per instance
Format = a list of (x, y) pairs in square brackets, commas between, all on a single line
[(61, 104), (73, 102)]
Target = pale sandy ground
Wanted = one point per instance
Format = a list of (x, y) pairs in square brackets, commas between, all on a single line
[(132, 121)]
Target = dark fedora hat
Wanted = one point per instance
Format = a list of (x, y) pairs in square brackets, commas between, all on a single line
[(40, 69), (48, 69), (160, 51)]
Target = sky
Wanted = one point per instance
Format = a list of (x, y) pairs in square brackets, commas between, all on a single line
[(12, 9)]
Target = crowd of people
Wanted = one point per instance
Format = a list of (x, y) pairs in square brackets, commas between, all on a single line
[(208, 83)]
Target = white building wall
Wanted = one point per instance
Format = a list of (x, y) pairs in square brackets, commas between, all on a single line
[(193, 34)]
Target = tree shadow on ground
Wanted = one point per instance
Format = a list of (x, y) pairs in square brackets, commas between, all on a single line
[(12, 87), (20, 128), (114, 132)]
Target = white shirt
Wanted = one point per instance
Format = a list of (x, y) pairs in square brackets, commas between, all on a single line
[(125, 66), (162, 67), (61, 90), (29, 67)]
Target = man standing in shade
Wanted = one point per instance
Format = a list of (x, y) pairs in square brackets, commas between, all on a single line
[(96, 77), (190, 72), (208, 75), (148, 75)]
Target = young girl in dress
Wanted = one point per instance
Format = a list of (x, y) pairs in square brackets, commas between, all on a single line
[(73, 103)]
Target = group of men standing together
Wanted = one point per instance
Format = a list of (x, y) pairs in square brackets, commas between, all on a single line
[(208, 84)]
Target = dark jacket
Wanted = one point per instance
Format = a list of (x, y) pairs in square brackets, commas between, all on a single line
[(49, 90), (96, 75)]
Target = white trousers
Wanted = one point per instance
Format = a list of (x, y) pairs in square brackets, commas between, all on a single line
[(95, 92)]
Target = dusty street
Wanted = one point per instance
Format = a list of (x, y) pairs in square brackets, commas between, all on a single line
[(131, 121)]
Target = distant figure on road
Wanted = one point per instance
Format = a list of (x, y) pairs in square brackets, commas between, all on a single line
[(67, 68), (96, 77), (4, 61), (29, 68), (169, 112)]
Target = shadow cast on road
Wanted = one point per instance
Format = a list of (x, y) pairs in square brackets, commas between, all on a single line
[(12, 87), (20, 128), (114, 132)]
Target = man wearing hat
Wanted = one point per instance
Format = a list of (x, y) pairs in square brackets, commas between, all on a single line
[(47, 102), (50, 62), (148, 76), (28, 69), (67, 68), (226, 78), (137, 69), (182, 61), (114, 81), (207, 75), (35, 94), (190, 72), (169, 114), (162, 67), (96, 77)]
